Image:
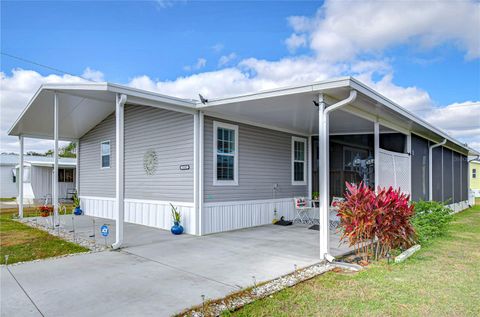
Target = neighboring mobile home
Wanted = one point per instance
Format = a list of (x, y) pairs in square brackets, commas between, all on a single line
[(229, 163), (475, 177), (37, 177)]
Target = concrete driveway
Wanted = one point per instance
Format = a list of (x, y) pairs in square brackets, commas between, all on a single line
[(157, 275)]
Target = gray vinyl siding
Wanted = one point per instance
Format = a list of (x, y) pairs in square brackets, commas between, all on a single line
[(264, 158), (170, 135), (95, 181)]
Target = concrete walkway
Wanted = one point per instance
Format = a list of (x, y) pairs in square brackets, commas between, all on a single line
[(157, 274)]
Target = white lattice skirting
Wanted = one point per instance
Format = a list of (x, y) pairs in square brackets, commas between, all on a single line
[(152, 213), (226, 216), (457, 207)]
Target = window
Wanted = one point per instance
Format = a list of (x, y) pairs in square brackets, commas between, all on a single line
[(105, 154), (14, 175), (225, 153), (299, 166), (65, 175), (474, 173)]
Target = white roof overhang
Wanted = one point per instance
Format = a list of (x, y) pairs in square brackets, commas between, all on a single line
[(292, 109), (81, 107)]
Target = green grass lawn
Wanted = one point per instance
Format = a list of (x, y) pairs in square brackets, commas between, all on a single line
[(442, 279), (24, 243), (8, 199)]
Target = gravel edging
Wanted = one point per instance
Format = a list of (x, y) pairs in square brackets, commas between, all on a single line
[(239, 299), (65, 235)]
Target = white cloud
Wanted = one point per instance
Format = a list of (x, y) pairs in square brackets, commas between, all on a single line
[(92, 74), (342, 30), (201, 63), (217, 47), (225, 59), (296, 41), (460, 120), (15, 92), (339, 33)]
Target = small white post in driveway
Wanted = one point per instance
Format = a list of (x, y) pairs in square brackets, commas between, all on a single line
[(119, 179), (20, 179), (55, 159)]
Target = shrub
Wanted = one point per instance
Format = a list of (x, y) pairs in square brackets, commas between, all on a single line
[(375, 224), (431, 220)]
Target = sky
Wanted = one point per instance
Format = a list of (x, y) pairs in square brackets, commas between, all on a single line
[(425, 55)]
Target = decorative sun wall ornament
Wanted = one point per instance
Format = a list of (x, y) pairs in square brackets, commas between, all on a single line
[(150, 162)]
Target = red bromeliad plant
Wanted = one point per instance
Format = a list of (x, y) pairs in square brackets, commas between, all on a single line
[(374, 224)]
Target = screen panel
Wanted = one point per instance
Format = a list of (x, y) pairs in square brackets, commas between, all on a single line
[(437, 173), (419, 171), (457, 175), (465, 177), (447, 176)]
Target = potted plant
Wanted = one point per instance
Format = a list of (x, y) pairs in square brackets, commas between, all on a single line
[(45, 210), (76, 204), (176, 217), (315, 197)]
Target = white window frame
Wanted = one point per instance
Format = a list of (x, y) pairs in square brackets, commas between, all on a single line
[(474, 173), (109, 154), (216, 182), (304, 141)]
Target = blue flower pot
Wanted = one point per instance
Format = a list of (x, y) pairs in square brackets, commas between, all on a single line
[(176, 228), (78, 211)]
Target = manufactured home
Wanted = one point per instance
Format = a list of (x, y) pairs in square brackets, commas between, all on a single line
[(229, 163), (37, 177), (475, 177)]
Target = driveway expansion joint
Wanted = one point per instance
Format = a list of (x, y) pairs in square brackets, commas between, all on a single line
[(24, 291)]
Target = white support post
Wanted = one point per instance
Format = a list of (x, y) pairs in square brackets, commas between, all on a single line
[(119, 163), (200, 179), (20, 179), (376, 153), (323, 168), (55, 160), (309, 166), (196, 195), (77, 167), (409, 152)]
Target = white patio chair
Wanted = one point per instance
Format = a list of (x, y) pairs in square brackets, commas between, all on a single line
[(334, 220), (302, 208)]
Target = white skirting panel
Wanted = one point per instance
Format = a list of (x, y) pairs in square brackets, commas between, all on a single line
[(156, 213), (102, 207), (226, 216), (152, 213), (457, 207)]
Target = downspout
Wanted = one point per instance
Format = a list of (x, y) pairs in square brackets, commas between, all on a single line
[(121, 99), (430, 168), (324, 169)]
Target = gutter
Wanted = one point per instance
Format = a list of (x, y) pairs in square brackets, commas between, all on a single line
[(430, 168), (324, 169)]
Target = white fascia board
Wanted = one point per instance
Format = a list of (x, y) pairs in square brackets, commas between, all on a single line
[(144, 94), (134, 100), (364, 89), (277, 92)]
